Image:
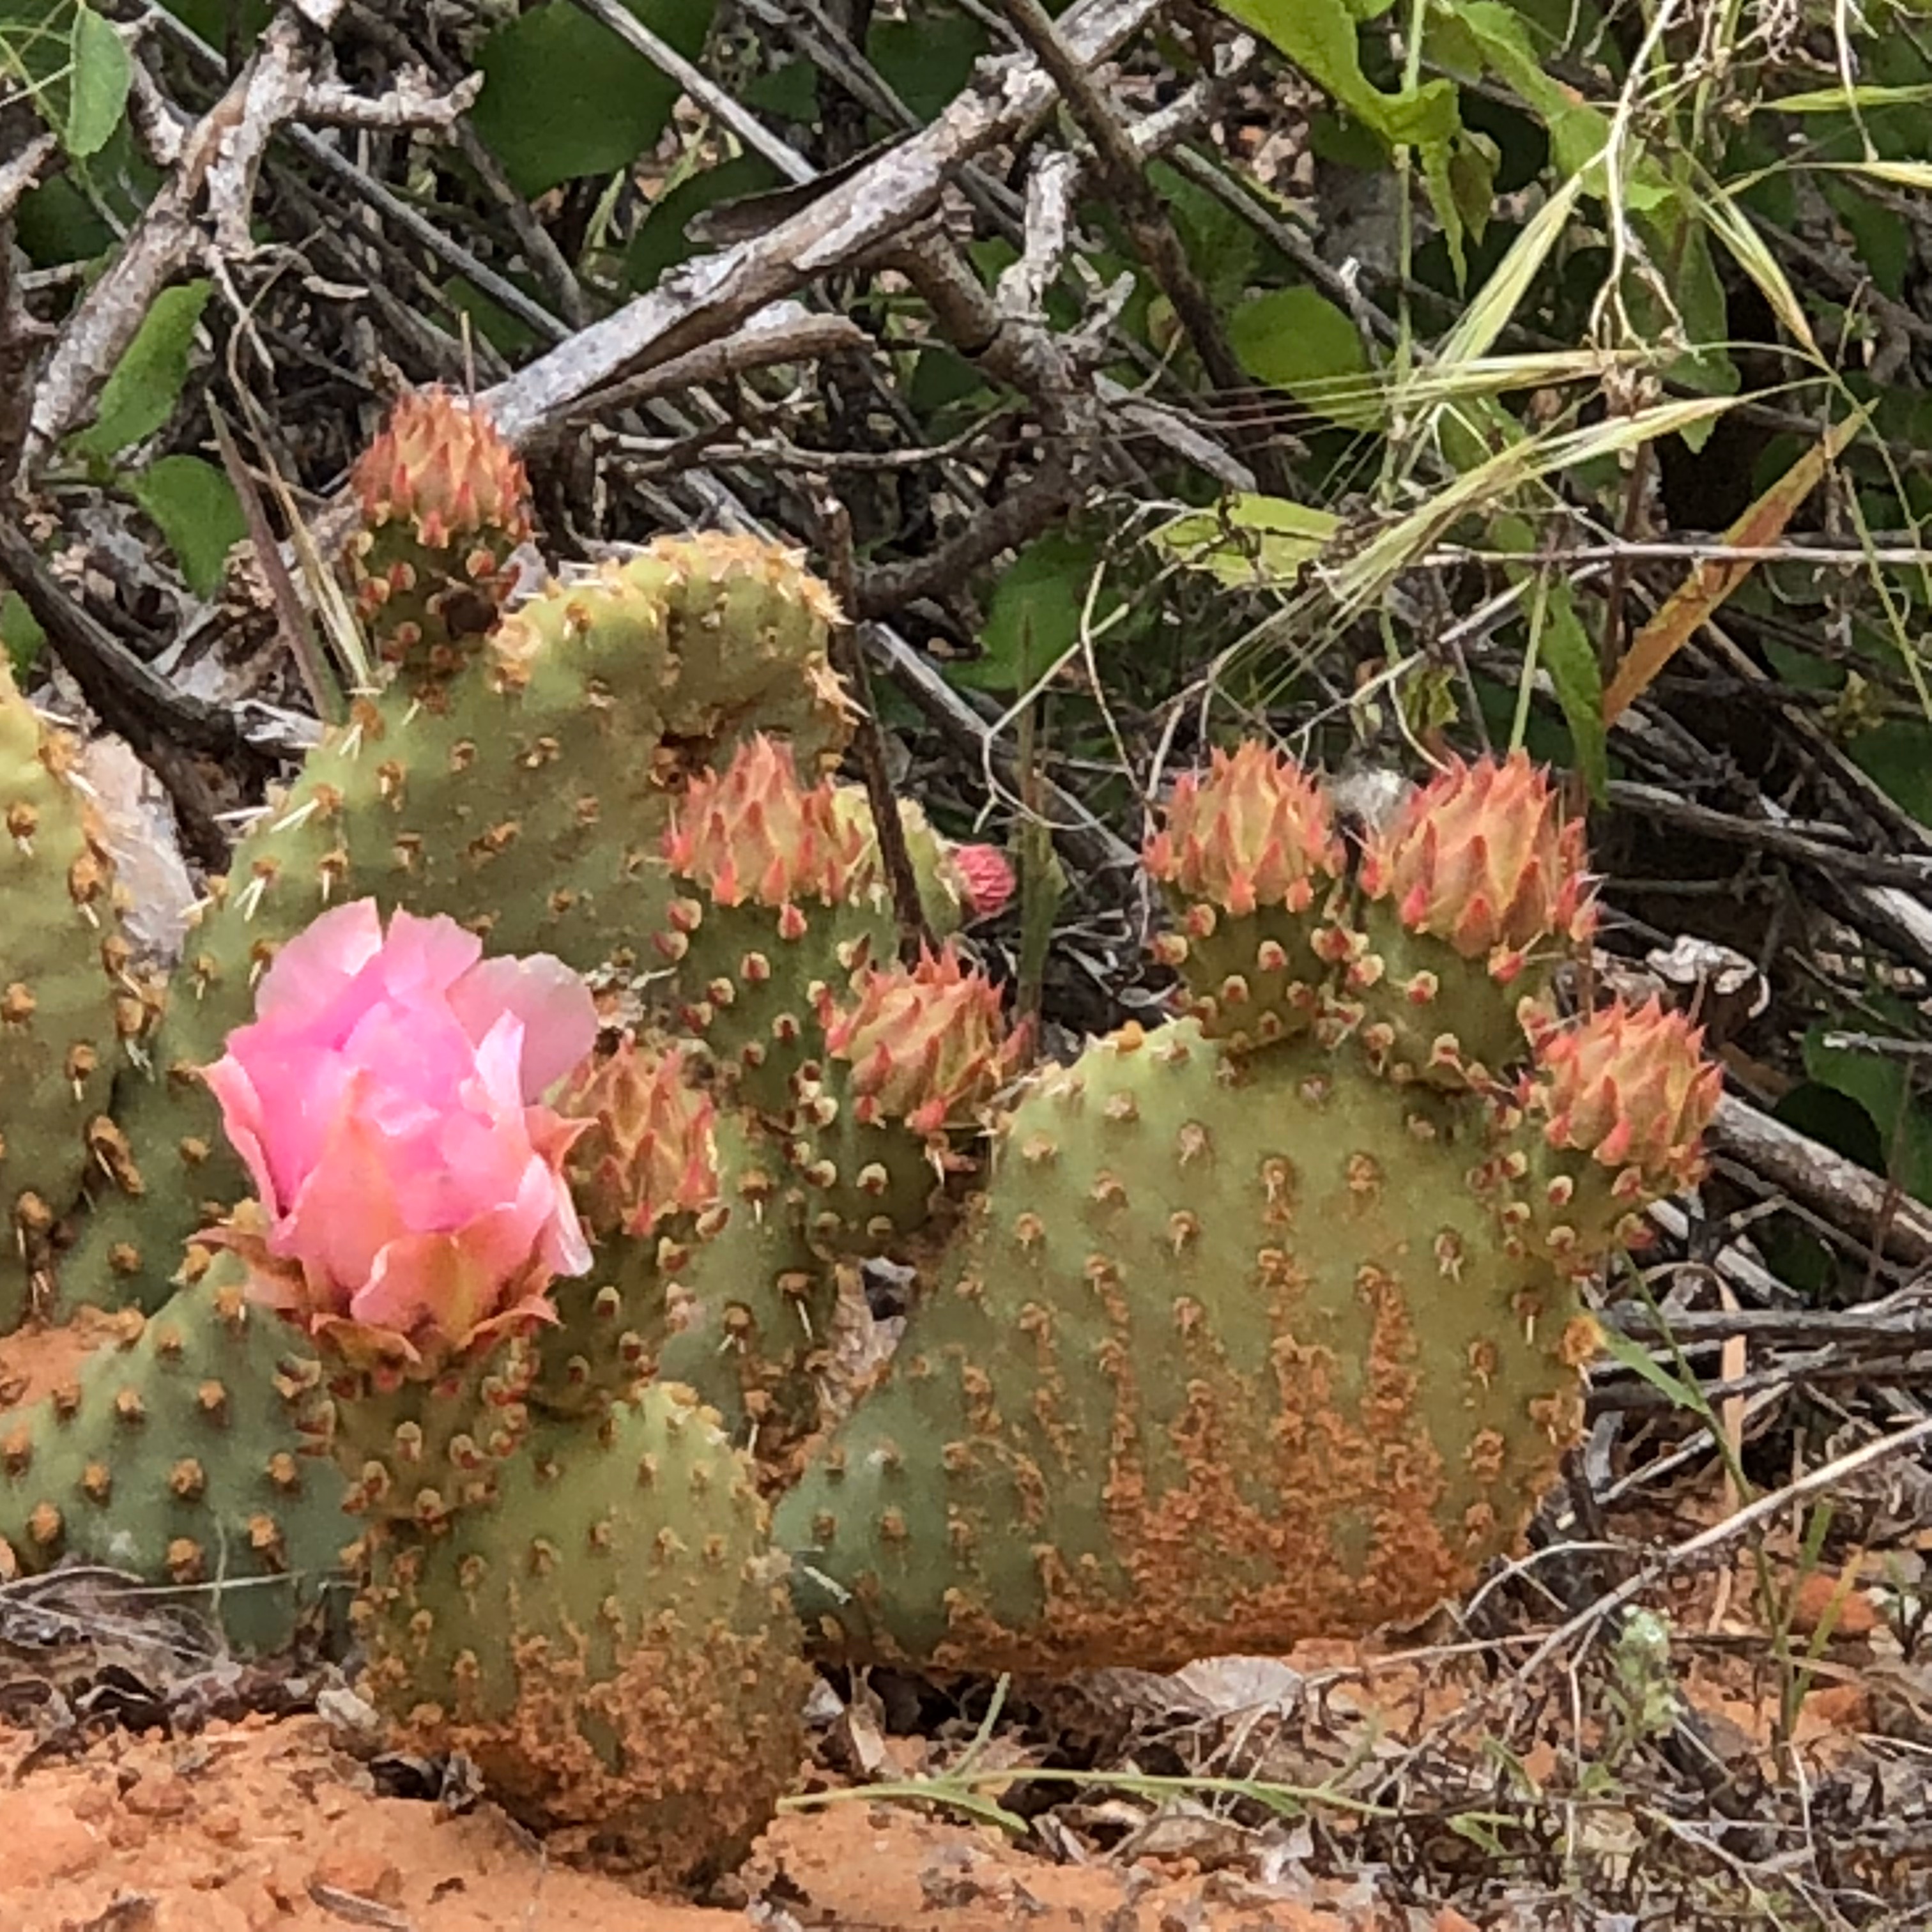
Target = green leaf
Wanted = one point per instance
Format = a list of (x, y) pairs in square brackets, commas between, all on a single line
[(1836, 100), (21, 636), (1249, 539), (929, 58), (660, 242), (1880, 1086), (1635, 1356), (1319, 36), (142, 393), (563, 97), (1034, 616), (195, 508), (1565, 652), (1472, 180), (102, 73), (1296, 339)]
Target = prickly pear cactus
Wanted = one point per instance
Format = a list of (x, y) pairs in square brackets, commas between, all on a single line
[(1263, 1323), (527, 798), (179, 1454), (67, 1000), (1267, 1324)]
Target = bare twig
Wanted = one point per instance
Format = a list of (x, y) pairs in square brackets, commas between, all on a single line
[(1708, 1542), (848, 659), (161, 723), (412, 101), (217, 167), (701, 87), (1839, 1190), (1123, 174), (705, 299)]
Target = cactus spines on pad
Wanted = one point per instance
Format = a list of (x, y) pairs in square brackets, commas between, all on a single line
[(66, 1002), (444, 502), (183, 1454), (1231, 1355), (609, 1640), (1250, 856)]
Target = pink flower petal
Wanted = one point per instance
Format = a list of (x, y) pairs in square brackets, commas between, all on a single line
[(559, 1016), (422, 958), (314, 967)]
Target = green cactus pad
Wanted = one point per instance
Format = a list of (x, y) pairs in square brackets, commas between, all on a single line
[(611, 1643), (65, 996), (179, 1455), (1232, 1357), (527, 801), (758, 1321)]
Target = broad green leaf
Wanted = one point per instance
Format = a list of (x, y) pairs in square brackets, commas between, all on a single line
[(1472, 180), (21, 636), (563, 97), (210, 18), (102, 71), (1319, 37), (660, 242), (194, 505), (1249, 539), (1034, 616), (927, 58), (1880, 1086), (1579, 133), (1296, 339), (142, 393), (1564, 650)]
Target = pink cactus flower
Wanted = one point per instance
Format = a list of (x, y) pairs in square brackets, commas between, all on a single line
[(387, 1099)]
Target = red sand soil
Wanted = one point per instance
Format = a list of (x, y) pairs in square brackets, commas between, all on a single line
[(266, 1827)]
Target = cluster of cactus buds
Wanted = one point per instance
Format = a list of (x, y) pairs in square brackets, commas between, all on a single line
[(1260, 1323)]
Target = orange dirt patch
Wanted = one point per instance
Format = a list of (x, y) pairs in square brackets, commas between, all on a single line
[(34, 1360), (268, 1827)]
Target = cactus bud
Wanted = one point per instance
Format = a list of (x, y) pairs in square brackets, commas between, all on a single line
[(1481, 858), (444, 502), (927, 1045), (650, 1151)]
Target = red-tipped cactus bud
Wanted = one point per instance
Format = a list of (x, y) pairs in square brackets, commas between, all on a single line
[(650, 1150), (1255, 832), (1482, 858), (752, 832), (927, 1045), (440, 464), (444, 502), (1630, 1089)]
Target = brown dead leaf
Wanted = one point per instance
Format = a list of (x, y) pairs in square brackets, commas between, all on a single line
[(1709, 583)]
